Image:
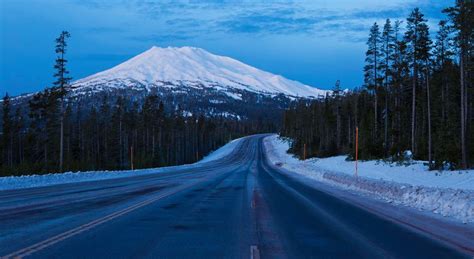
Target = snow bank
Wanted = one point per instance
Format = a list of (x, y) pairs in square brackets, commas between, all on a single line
[(416, 173), (222, 152), (450, 194), (28, 181)]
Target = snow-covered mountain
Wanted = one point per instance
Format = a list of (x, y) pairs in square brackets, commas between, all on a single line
[(191, 82), (189, 67)]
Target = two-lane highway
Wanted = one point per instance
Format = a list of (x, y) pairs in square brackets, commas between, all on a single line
[(236, 207)]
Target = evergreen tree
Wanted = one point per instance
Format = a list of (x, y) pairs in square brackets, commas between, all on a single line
[(443, 57), (61, 86), (388, 52), (371, 69), (462, 19), (415, 36), (414, 72), (400, 77)]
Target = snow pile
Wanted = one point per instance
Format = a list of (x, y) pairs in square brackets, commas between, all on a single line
[(223, 151), (450, 194), (415, 173), (196, 66), (29, 181)]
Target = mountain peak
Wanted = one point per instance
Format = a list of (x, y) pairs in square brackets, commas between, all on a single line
[(184, 48), (191, 64)]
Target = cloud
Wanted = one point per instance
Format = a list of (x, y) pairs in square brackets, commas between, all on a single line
[(185, 23), (162, 37), (273, 21), (105, 29), (100, 4), (103, 56), (182, 20)]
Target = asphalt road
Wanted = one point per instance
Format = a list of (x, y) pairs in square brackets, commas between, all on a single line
[(236, 207)]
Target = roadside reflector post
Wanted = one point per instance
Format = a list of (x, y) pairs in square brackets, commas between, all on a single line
[(356, 150)]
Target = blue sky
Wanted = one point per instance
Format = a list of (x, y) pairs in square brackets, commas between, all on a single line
[(315, 42)]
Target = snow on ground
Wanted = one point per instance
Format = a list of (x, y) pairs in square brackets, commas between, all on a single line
[(222, 152), (28, 181), (416, 173), (450, 194)]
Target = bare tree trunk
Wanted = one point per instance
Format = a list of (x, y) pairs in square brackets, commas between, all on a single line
[(399, 117), (413, 109), (97, 144), (153, 143), (61, 142), (376, 113), (443, 96), (430, 158), (46, 155), (463, 113), (386, 119), (61, 110), (20, 149), (120, 142), (386, 102), (338, 125), (10, 151), (375, 92)]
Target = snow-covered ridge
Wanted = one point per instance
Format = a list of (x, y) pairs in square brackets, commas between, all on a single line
[(196, 66)]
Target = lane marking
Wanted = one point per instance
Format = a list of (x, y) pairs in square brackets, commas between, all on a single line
[(254, 252), (75, 231), (57, 201)]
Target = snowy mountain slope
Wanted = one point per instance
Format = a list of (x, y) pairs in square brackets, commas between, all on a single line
[(196, 68)]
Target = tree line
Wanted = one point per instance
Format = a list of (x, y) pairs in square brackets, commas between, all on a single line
[(56, 133), (417, 96)]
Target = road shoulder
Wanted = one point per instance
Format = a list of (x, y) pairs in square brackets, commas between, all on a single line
[(450, 231)]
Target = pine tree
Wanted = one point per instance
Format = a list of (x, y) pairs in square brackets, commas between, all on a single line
[(443, 55), (462, 19), (371, 69), (414, 36), (388, 49), (61, 86), (435, 102), (400, 74)]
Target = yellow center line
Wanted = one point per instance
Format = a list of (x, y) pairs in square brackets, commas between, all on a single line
[(75, 231)]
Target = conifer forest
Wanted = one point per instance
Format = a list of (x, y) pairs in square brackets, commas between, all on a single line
[(417, 100)]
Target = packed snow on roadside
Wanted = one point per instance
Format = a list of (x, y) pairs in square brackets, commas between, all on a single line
[(222, 152), (448, 193), (28, 181)]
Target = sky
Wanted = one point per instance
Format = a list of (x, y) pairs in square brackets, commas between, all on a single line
[(316, 42)]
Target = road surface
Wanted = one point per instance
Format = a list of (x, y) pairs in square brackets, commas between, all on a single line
[(239, 206)]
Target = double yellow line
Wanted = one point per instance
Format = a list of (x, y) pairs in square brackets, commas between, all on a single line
[(75, 231)]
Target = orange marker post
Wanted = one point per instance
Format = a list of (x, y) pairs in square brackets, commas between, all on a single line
[(357, 150)]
